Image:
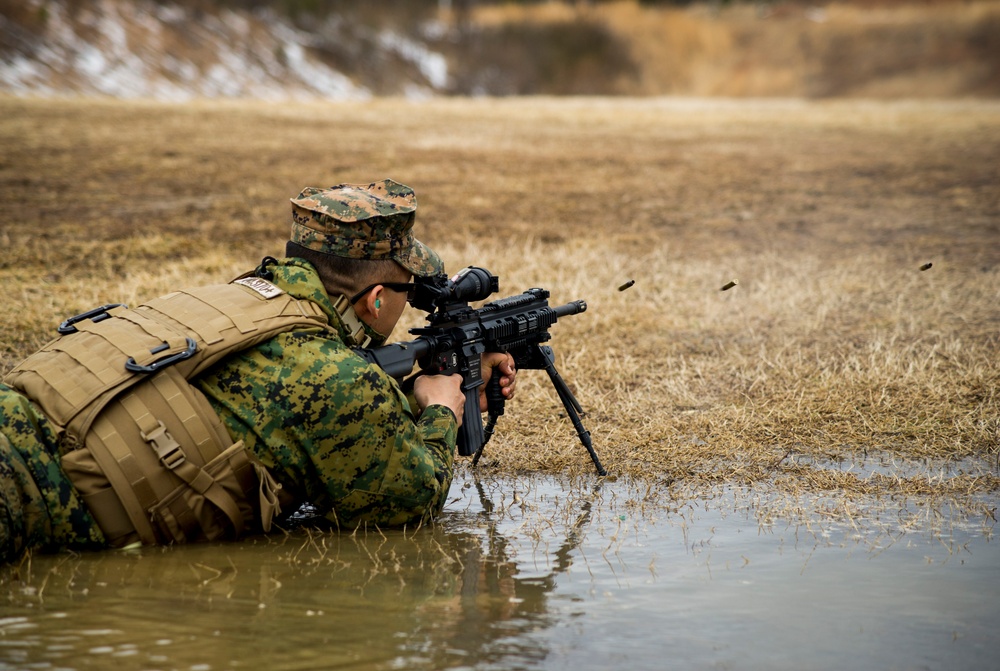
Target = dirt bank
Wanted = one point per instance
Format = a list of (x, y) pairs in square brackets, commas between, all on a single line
[(337, 49)]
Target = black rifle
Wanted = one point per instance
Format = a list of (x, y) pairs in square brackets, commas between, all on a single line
[(458, 335)]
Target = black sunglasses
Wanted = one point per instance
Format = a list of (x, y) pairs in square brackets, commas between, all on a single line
[(403, 287)]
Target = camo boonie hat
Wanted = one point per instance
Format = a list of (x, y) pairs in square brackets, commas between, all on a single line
[(363, 221)]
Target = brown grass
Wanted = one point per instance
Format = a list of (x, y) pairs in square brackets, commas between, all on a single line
[(835, 368)]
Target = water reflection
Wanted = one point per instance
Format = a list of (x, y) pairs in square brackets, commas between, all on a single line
[(434, 597), (528, 573)]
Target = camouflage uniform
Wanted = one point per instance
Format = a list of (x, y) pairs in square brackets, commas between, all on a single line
[(38, 505), (335, 431)]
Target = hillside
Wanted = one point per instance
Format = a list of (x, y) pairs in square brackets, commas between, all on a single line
[(330, 49)]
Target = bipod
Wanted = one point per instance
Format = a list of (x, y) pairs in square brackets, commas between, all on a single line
[(538, 357)]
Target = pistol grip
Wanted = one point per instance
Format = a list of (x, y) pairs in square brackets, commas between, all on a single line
[(470, 434)]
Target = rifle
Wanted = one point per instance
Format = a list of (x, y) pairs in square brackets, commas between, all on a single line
[(458, 335)]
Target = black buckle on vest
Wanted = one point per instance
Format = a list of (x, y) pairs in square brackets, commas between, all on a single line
[(95, 315), (192, 347)]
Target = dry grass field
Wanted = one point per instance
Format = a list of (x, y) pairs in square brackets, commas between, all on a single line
[(834, 371)]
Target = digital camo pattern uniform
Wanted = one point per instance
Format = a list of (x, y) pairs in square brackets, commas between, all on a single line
[(334, 430), (38, 505)]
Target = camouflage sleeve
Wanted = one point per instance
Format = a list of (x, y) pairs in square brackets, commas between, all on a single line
[(413, 484), (334, 430), (39, 508)]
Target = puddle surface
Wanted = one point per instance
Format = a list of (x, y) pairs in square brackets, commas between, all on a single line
[(531, 573)]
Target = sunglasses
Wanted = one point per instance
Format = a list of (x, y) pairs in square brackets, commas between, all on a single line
[(402, 287)]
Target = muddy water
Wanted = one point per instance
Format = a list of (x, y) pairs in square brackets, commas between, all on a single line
[(532, 574)]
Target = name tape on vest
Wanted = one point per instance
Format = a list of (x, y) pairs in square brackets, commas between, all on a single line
[(263, 287)]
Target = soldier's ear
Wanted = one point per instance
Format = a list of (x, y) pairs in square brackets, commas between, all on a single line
[(373, 301)]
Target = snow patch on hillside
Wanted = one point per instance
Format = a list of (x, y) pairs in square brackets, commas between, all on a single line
[(144, 49)]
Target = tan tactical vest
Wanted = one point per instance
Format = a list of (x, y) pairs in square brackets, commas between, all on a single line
[(142, 446)]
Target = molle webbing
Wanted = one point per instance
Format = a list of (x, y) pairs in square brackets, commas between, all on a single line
[(145, 449), (74, 376)]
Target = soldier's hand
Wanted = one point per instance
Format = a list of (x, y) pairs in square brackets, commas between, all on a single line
[(498, 363), (443, 390)]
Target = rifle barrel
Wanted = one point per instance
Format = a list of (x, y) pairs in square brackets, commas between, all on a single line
[(573, 308)]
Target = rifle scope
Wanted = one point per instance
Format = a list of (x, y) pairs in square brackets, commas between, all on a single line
[(437, 291)]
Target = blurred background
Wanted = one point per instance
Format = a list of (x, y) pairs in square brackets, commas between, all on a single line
[(342, 49)]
